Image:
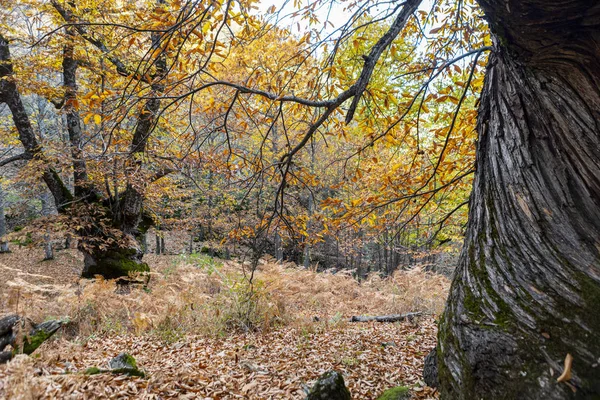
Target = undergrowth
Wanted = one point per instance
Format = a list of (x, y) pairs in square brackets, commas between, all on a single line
[(200, 295)]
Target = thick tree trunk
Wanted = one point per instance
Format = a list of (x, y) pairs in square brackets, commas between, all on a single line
[(113, 262), (527, 289), (127, 215)]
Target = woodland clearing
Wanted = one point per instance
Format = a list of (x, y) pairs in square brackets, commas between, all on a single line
[(199, 330)]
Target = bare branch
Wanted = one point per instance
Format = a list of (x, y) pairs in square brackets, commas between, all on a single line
[(409, 7), (18, 157)]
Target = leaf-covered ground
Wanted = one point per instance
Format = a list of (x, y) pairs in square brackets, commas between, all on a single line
[(199, 354)]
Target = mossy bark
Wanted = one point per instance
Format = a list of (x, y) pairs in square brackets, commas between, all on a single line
[(114, 262), (112, 252), (9, 332), (527, 289)]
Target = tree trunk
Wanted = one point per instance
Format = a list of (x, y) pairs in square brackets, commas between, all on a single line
[(124, 255), (113, 262), (527, 288), (3, 242), (157, 249), (9, 327), (46, 211), (278, 247)]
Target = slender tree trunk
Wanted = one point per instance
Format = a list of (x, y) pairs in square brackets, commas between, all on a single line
[(144, 243), (278, 247), (527, 288), (311, 210), (46, 211), (157, 249), (3, 242)]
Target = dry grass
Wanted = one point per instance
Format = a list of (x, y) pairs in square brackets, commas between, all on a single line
[(195, 299)]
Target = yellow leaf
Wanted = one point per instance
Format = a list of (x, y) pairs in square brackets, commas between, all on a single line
[(97, 119), (566, 375)]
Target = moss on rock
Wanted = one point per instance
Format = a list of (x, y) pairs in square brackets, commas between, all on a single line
[(124, 363), (397, 393), (329, 386)]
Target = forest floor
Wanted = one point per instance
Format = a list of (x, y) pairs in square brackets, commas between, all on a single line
[(200, 331)]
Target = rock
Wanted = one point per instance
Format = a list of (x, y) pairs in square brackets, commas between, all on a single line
[(329, 386), (430, 369), (397, 393), (125, 364)]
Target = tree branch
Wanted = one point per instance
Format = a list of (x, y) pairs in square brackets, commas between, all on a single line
[(18, 157), (408, 8), (121, 68)]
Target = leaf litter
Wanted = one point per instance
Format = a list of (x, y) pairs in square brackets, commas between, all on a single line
[(206, 358)]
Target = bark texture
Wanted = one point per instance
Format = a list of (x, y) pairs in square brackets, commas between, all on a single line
[(9, 94), (3, 242), (114, 262), (36, 335), (527, 289)]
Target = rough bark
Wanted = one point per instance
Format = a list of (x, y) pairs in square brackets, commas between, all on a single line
[(46, 211), (3, 242), (430, 369), (527, 289), (9, 95), (82, 186), (157, 249), (131, 211), (114, 262), (126, 214), (9, 327)]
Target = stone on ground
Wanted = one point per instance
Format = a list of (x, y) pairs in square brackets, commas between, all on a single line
[(329, 386)]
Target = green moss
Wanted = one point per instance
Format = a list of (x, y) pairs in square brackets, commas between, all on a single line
[(114, 264), (26, 242), (124, 363), (397, 393), (128, 359), (33, 342), (93, 371), (41, 333), (129, 371)]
